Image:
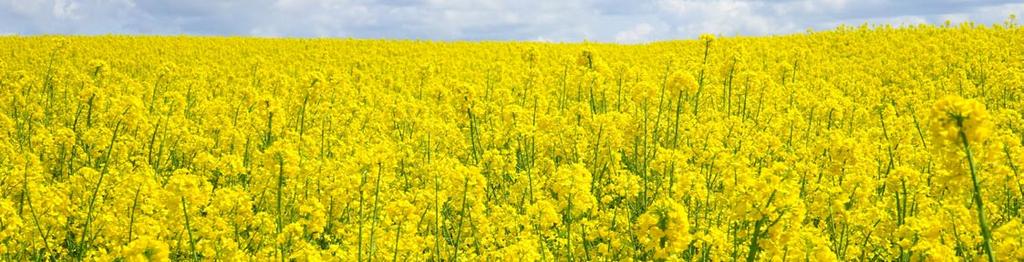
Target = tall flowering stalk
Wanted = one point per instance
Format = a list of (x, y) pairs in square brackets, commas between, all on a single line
[(966, 121)]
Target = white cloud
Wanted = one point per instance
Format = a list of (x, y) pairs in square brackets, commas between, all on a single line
[(568, 20), (65, 9), (726, 17), (638, 34), (894, 21), (1001, 12)]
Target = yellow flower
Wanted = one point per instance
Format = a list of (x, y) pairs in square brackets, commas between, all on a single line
[(146, 248), (572, 185), (954, 115), (97, 66), (707, 38), (585, 59), (681, 81), (545, 214), (664, 228)]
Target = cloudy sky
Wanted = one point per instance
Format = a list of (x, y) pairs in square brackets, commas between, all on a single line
[(543, 20)]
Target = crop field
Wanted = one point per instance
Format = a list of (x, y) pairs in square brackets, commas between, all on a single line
[(855, 144)]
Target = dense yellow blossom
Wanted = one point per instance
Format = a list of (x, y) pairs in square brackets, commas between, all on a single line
[(954, 114), (855, 144)]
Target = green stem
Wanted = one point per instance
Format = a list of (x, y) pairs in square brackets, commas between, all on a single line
[(95, 193), (398, 236), (700, 78), (986, 233), (373, 223), (280, 188), (188, 228), (437, 220), (131, 220), (462, 217), (32, 210)]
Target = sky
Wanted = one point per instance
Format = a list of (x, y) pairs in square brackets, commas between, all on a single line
[(622, 21)]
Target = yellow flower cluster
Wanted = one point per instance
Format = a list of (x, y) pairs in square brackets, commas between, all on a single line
[(954, 115), (858, 143)]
